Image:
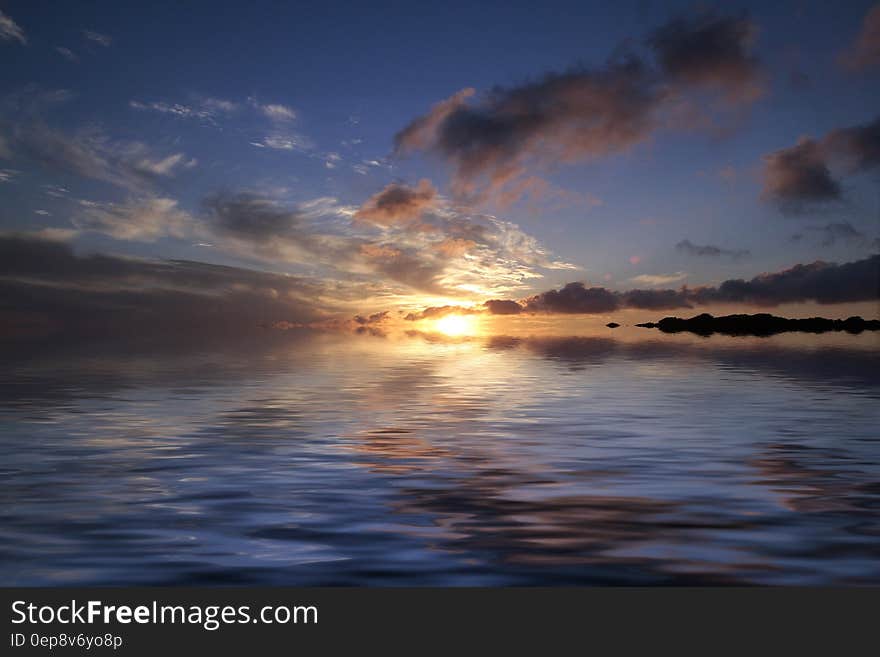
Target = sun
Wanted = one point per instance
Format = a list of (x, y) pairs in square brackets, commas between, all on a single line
[(455, 325)]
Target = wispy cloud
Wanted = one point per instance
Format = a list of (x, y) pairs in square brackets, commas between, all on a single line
[(278, 112), (658, 279), (97, 37), (286, 141), (207, 110), (165, 166), (143, 220), (67, 53), (131, 165), (10, 30)]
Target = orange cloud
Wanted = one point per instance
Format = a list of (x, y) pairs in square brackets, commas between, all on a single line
[(454, 247), (398, 203)]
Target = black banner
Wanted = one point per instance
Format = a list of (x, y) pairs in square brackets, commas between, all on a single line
[(135, 621)]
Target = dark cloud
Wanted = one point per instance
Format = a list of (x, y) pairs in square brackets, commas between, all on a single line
[(584, 112), (711, 51), (832, 233), (398, 203), (46, 287), (574, 298), (567, 116), (799, 174), (864, 53), (821, 282), (686, 246), (858, 146), (655, 299), (250, 217), (503, 307)]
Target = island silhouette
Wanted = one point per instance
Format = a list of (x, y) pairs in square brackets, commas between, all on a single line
[(760, 324)]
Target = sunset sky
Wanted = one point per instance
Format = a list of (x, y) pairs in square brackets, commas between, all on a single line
[(305, 162)]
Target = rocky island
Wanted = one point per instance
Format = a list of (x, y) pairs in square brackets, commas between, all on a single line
[(760, 324)]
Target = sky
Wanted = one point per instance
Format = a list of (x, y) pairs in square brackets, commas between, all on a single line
[(304, 162)]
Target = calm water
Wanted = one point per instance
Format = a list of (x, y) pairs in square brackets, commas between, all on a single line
[(336, 459)]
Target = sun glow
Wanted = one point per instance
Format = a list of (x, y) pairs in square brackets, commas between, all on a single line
[(456, 325)]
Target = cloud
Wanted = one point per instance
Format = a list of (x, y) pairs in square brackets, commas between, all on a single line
[(91, 155), (144, 220), (67, 53), (864, 53), (251, 217), (655, 299), (801, 174), (491, 140), (10, 31), (455, 246), (206, 110), (398, 203), (565, 116), (97, 37), (686, 246), (45, 284), (422, 132), (574, 298), (820, 282), (857, 146), (658, 279), (278, 112), (710, 51), (436, 312), (448, 252), (503, 307), (250, 225), (832, 233), (287, 141), (7, 175), (163, 167)]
